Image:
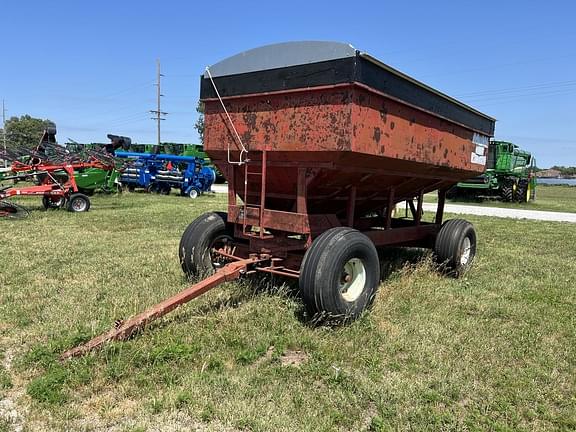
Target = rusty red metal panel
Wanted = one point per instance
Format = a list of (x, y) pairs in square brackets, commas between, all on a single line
[(273, 219), (389, 128), (342, 120), (304, 121), (346, 137)]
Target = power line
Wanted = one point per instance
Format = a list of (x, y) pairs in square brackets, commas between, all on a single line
[(134, 119), (541, 86), (514, 98)]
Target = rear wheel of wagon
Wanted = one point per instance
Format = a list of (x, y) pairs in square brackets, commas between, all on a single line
[(455, 247), (204, 235), (340, 274)]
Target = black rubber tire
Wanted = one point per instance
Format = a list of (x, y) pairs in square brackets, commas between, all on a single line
[(507, 190), (49, 203), (153, 188), (78, 203), (522, 192), (165, 190), (197, 239), (449, 246), (131, 188), (322, 271)]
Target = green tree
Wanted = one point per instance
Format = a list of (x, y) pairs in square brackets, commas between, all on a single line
[(199, 125), (25, 132)]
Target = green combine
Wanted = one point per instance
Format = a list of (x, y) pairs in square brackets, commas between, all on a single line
[(510, 176)]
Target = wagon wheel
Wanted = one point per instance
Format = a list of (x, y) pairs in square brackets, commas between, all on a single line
[(12, 211), (201, 238), (340, 274), (455, 247)]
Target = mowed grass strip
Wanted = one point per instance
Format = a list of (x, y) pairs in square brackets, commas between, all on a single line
[(492, 351)]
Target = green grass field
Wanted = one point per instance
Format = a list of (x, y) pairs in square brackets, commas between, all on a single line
[(548, 197), (495, 350)]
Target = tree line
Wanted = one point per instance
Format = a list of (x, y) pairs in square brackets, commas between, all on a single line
[(24, 132), (565, 171)]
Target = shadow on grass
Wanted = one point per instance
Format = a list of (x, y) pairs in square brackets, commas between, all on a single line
[(392, 260), (246, 289)]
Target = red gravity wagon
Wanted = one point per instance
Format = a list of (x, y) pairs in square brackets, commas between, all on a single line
[(318, 142)]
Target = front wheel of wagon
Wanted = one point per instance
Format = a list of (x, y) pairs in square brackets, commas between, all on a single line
[(455, 247), (340, 274), (208, 232)]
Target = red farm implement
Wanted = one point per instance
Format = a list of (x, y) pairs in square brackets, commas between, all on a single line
[(319, 142), (50, 169)]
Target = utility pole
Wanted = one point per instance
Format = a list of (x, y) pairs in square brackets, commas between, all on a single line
[(158, 113), (4, 133)]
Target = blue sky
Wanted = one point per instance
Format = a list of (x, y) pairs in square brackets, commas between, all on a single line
[(90, 66)]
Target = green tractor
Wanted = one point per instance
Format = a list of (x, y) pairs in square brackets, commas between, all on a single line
[(510, 176)]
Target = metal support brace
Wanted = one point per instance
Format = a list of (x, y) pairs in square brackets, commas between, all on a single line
[(440, 207), (301, 193), (389, 208), (419, 210), (351, 207)]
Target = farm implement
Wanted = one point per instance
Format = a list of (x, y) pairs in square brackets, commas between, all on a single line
[(160, 173), (52, 172), (510, 176), (318, 142)]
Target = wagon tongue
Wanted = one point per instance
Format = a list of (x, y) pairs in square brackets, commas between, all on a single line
[(124, 329)]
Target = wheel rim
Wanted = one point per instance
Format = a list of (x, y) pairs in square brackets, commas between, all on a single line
[(79, 205), (222, 242), (58, 203), (352, 280), (466, 251), (193, 193), (528, 192)]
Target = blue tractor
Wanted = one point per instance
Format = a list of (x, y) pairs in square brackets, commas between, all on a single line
[(160, 173)]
